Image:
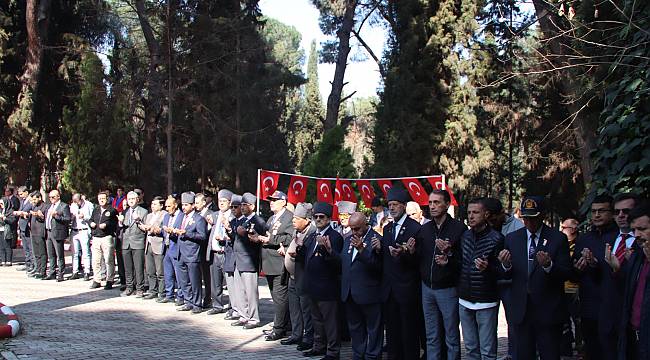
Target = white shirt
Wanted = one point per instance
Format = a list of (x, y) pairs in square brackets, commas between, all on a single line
[(87, 211), (50, 212), (354, 250), (398, 225)]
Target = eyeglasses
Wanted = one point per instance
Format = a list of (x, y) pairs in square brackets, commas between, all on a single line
[(320, 216), (234, 206), (625, 211), (52, 197), (600, 211)]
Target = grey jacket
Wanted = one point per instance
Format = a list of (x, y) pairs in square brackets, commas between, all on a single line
[(132, 236)]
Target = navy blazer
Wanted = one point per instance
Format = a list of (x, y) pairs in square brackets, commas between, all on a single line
[(546, 290), (192, 244), (37, 223), (321, 278), (60, 221), (229, 248), (247, 253), (401, 275), (361, 277), (23, 222)]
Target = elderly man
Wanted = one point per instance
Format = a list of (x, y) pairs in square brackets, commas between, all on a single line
[(81, 212), (278, 238), (345, 210), (302, 330), (216, 250), (414, 211), (361, 288), (134, 236), (103, 223), (229, 261), (191, 237), (536, 258), (57, 222), (322, 283)]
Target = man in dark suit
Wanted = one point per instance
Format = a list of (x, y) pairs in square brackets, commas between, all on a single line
[(401, 280), (201, 207), (361, 288), (596, 285), (275, 242), (191, 239), (229, 259), (216, 250), (321, 282), (57, 223), (23, 228), (37, 234), (246, 249), (536, 258)]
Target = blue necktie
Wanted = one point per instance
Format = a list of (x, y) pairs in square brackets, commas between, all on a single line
[(532, 247)]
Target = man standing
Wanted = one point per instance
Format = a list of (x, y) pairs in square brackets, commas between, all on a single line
[(361, 288), (278, 238), (171, 220), (438, 250), (401, 280), (345, 210), (246, 249), (103, 223), (191, 241), (155, 250), (594, 278), (378, 212), (201, 207), (536, 258), (216, 247), (37, 234), (234, 294), (57, 222), (302, 330), (414, 211), (81, 212), (569, 227), (119, 201), (321, 282), (23, 228), (133, 241)]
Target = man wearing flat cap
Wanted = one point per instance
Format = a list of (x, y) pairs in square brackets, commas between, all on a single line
[(302, 330), (216, 249), (322, 281), (345, 210), (536, 259), (246, 249), (401, 279), (236, 219), (274, 243), (191, 241)]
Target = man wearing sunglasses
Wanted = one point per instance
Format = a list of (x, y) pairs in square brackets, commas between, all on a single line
[(57, 224)]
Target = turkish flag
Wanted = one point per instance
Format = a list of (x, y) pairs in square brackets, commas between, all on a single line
[(268, 184), (366, 191), (324, 191), (344, 191), (418, 194), (385, 185), (436, 182), (451, 195), (297, 191)]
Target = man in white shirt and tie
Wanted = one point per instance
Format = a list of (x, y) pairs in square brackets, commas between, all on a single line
[(81, 212)]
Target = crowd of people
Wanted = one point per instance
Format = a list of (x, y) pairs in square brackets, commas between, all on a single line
[(416, 280)]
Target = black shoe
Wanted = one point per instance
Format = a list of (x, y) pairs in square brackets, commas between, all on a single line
[(38, 276), (51, 276), (274, 336), (238, 323), (164, 300), (304, 346), (108, 286), (139, 294), (74, 276), (127, 292), (313, 352), (59, 278), (95, 285), (249, 326), (231, 317), (290, 341), (197, 310), (86, 277), (149, 296), (215, 311), (185, 308), (122, 287)]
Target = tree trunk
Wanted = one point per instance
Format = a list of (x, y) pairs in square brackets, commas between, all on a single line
[(334, 99)]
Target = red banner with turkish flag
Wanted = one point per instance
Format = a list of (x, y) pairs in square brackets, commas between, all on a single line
[(385, 185), (437, 182), (297, 189), (268, 184), (344, 191), (366, 191), (324, 191), (418, 194)]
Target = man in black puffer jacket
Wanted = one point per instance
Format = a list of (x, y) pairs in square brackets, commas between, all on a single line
[(477, 288)]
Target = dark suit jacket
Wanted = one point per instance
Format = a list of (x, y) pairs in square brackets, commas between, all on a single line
[(401, 275), (247, 253), (630, 273), (229, 248), (321, 277), (546, 290), (9, 223), (37, 224), (172, 240), (361, 277), (23, 222), (281, 232), (60, 221), (192, 244), (299, 273)]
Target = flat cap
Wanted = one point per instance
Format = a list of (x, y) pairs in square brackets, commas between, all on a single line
[(346, 207), (235, 200), (248, 198), (278, 195), (323, 208), (224, 194), (187, 197), (398, 194), (304, 210)]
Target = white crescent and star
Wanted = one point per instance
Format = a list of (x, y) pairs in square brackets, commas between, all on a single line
[(366, 190), (347, 191), (327, 189), (417, 188), (298, 182), (386, 187), (268, 187)]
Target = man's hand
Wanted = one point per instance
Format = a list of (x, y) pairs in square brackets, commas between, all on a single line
[(325, 242), (443, 245), (580, 264), (357, 243), (441, 260), (543, 258), (410, 245), (93, 224), (376, 244), (80, 215), (481, 263), (254, 237), (395, 251), (102, 226), (628, 253), (646, 249), (611, 259), (210, 220), (281, 250), (241, 231), (505, 258), (120, 218)]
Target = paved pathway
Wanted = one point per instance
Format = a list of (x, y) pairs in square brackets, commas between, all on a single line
[(70, 321)]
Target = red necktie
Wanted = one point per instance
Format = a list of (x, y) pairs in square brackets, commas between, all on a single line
[(620, 251)]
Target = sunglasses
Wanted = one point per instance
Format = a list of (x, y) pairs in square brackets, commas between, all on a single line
[(234, 206), (320, 216), (625, 211)]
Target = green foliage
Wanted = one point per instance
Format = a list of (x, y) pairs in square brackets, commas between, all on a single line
[(331, 159)]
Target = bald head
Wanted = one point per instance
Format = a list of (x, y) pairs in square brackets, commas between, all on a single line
[(358, 224), (54, 196)]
